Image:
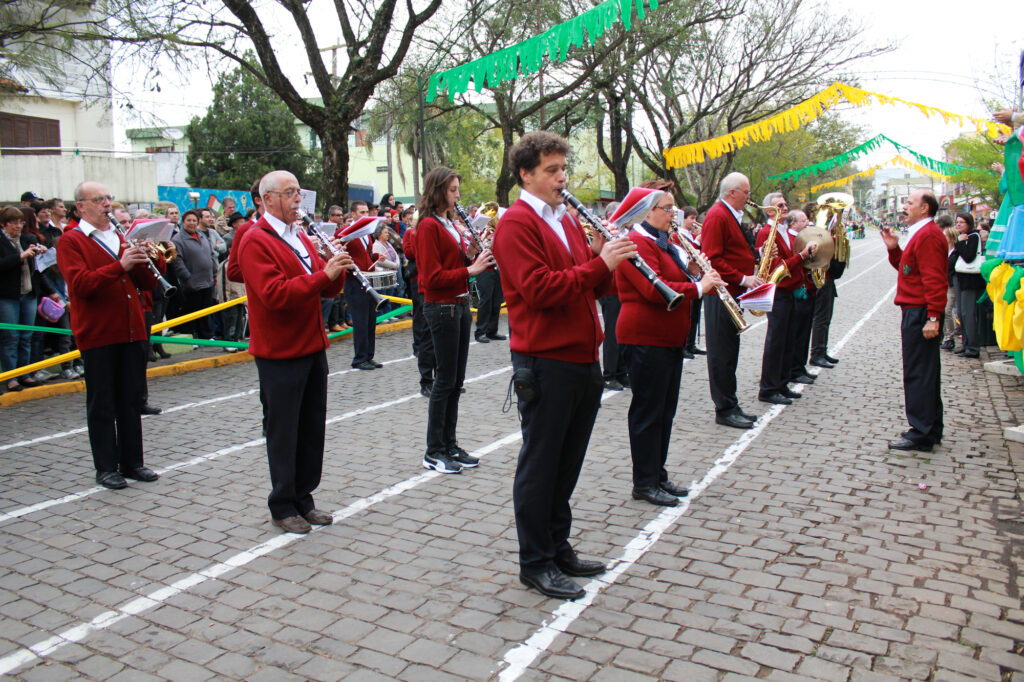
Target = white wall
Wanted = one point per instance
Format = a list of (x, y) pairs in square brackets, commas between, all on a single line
[(82, 127), (129, 180)]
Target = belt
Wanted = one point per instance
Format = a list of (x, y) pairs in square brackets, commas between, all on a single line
[(458, 300)]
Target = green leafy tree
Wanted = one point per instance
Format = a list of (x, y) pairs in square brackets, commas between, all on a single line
[(980, 154), (247, 132)]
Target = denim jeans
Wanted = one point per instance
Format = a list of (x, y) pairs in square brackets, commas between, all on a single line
[(16, 346), (449, 329)]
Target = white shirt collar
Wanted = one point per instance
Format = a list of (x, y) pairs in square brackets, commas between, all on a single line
[(913, 229), (87, 227), (737, 214), (279, 225), (543, 208), (106, 237)]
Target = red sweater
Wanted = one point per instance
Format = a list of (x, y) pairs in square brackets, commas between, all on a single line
[(922, 266), (793, 261), (105, 303), (722, 241), (234, 269), (284, 300), (550, 295), (442, 269), (643, 320), (409, 247)]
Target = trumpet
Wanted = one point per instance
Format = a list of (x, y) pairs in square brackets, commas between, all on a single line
[(672, 298), (316, 233), (166, 288), (731, 306)]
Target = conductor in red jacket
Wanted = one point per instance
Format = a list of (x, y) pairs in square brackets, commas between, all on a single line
[(551, 279), (656, 338), (921, 293), (104, 275), (722, 241), (284, 279)]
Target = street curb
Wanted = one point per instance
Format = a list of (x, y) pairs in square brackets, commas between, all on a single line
[(63, 388)]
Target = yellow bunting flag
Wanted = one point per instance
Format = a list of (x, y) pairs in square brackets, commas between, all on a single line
[(805, 112)]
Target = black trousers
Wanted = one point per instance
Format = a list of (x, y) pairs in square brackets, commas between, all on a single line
[(488, 311), (803, 319), (922, 378), (779, 343), (115, 378), (449, 329), (614, 356), (197, 300), (556, 430), (294, 393), (364, 321), (723, 346), (824, 303), (655, 372), (422, 343), (967, 303), (695, 306)]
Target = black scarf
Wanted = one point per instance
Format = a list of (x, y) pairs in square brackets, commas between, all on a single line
[(661, 239)]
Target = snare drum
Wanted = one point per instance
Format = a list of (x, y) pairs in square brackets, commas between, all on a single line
[(382, 279)]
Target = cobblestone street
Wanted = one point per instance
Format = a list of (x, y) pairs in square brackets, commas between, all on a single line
[(806, 549)]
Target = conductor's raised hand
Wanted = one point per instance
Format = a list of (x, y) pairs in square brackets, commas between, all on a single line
[(889, 237)]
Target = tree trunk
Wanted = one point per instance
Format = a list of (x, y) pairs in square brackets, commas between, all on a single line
[(506, 180), (334, 185)]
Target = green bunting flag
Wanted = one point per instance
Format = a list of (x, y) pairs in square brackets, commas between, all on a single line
[(943, 167), (528, 56)]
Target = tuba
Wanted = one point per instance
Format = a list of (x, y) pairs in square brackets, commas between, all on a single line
[(830, 220)]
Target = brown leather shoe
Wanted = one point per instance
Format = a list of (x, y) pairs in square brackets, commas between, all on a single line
[(319, 518), (292, 524)]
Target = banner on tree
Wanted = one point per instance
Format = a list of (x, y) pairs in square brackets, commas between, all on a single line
[(803, 113), (528, 56)]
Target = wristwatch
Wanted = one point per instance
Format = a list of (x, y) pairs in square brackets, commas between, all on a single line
[(933, 319)]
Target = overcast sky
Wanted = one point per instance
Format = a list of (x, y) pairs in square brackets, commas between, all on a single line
[(947, 55)]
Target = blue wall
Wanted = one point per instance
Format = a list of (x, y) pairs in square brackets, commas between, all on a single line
[(207, 197)]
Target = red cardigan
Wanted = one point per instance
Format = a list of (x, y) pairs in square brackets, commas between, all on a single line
[(643, 320), (922, 268), (234, 268), (792, 260), (105, 303), (285, 315), (550, 296), (443, 274), (409, 247), (722, 241)]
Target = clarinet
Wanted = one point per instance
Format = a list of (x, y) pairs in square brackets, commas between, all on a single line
[(315, 232), (166, 288), (672, 298), (731, 306), (469, 226)]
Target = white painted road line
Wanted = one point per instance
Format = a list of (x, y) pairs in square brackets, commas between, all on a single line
[(217, 454), (520, 658)]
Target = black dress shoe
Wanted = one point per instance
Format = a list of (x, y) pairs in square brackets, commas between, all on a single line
[(959, 351), (687, 355), (425, 390), (150, 409), (775, 399), (733, 420), (971, 354), (834, 361), (582, 568), (791, 394), (162, 353), (497, 337), (655, 496), (625, 381), (111, 479), (482, 339), (613, 385), (376, 364), (293, 524), (804, 378), (673, 489), (144, 474), (749, 417), (365, 365), (907, 444), (552, 583), (152, 357), (697, 351), (822, 362)]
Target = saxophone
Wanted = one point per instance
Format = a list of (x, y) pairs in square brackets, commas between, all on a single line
[(731, 306), (764, 269)]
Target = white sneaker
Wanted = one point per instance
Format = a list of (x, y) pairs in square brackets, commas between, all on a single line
[(43, 375), (69, 374)]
